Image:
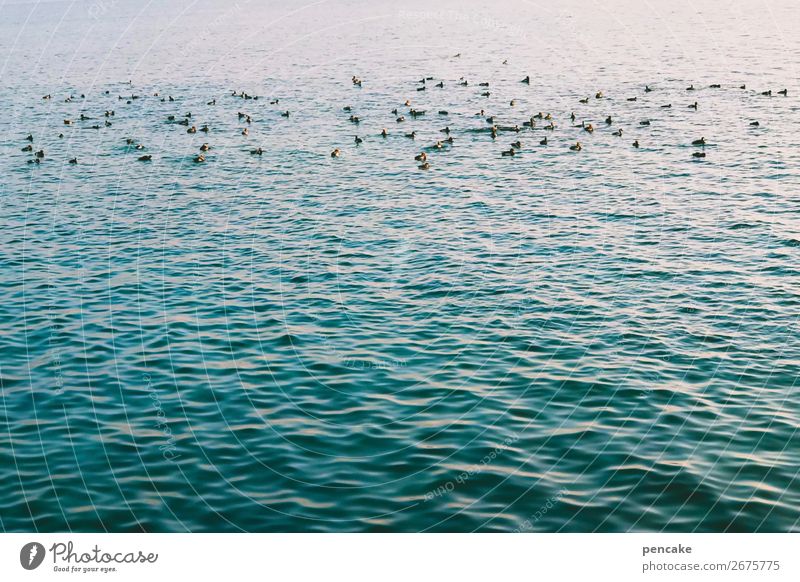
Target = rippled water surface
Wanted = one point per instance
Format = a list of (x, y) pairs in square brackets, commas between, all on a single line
[(603, 340)]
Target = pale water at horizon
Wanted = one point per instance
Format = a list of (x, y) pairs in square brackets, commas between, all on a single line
[(604, 340)]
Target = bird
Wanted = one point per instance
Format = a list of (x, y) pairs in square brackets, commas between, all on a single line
[(618, 133), (577, 147), (645, 122), (543, 142), (73, 161), (145, 158), (699, 154), (784, 92), (257, 152), (285, 114), (511, 152), (609, 121), (647, 88), (690, 88), (754, 124), (527, 80), (636, 144), (412, 135), (200, 159), (425, 166), (384, 133), (205, 147), (358, 140), (693, 106), (421, 157), (699, 142), (336, 153)]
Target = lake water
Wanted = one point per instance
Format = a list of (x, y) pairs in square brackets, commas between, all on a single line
[(604, 340)]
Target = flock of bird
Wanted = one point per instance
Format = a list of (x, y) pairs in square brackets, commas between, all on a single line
[(493, 128)]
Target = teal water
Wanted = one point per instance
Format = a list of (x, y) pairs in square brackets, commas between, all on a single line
[(595, 341)]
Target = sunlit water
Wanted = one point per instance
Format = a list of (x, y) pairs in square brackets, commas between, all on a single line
[(558, 341)]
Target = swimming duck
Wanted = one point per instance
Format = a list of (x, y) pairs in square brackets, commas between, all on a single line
[(335, 153), (274, 101), (464, 83), (444, 112), (636, 144), (192, 129), (645, 122), (699, 154), (27, 148), (784, 92), (609, 121), (73, 161), (715, 86), (205, 129), (445, 130), (384, 133), (356, 81), (598, 95), (618, 133), (530, 123), (494, 132), (421, 88), (347, 108), (245, 131), (39, 154), (513, 103), (204, 148), (358, 140), (699, 142), (67, 122), (438, 145), (754, 124), (29, 137), (550, 126), (743, 87), (690, 88), (184, 122), (425, 166), (667, 106), (584, 101), (517, 144), (647, 88), (572, 116), (527, 80), (146, 158), (485, 94), (421, 157), (199, 159), (693, 106), (34, 161), (400, 119), (412, 135), (588, 127), (511, 152), (543, 142), (631, 98), (484, 84), (354, 119), (767, 93), (449, 139), (257, 152), (440, 84), (212, 102), (548, 117), (577, 147), (285, 114)]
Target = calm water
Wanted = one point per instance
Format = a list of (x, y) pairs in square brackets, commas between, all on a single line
[(594, 341)]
